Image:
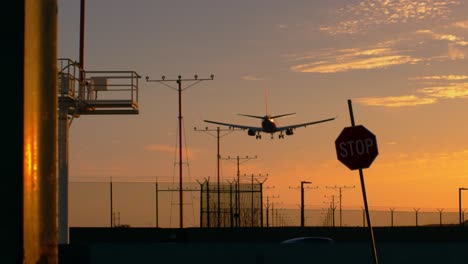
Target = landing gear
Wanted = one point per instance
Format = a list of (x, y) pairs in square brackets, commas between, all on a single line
[(281, 136), (258, 136)]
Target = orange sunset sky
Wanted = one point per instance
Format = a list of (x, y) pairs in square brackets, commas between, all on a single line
[(402, 63)]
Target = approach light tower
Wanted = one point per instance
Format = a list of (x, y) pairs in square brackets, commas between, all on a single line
[(340, 189), (238, 159), (179, 89), (218, 158)]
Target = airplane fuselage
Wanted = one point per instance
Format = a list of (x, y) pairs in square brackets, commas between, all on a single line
[(268, 125)]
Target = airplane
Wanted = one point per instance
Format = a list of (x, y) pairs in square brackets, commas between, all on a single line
[(269, 125)]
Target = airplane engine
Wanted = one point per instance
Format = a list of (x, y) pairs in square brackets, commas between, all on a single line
[(251, 132), (289, 132)]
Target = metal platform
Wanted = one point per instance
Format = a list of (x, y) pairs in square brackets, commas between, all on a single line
[(99, 92)]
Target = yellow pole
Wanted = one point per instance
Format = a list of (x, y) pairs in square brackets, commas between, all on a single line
[(40, 180)]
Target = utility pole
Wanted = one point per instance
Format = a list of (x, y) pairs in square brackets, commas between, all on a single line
[(231, 211), (302, 201), (416, 210), (252, 205), (238, 159), (268, 207), (440, 215), (157, 203), (340, 188), (261, 199), (179, 89), (218, 157), (392, 210), (111, 205), (333, 208), (462, 222)]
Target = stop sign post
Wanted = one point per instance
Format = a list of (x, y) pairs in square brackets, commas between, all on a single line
[(356, 147)]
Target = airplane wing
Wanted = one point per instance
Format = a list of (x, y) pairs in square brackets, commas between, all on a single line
[(235, 125), (281, 128)]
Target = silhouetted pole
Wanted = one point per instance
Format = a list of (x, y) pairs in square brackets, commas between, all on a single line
[(392, 210), (416, 210), (340, 188), (111, 206), (35, 73), (272, 215), (231, 216), (201, 202), (440, 215), (268, 207), (363, 186), (460, 204), (208, 203), (332, 209), (179, 90), (218, 158), (157, 203), (302, 201), (238, 159), (261, 198)]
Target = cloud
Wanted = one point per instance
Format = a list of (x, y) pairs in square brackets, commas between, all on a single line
[(251, 78), (352, 59), (429, 95), (461, 24), (448, 37), (395, 101), (450, 91), (372, 13), (441, 77), (455, 52)]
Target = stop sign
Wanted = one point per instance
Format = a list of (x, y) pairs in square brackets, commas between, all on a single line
[(356, 147)]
